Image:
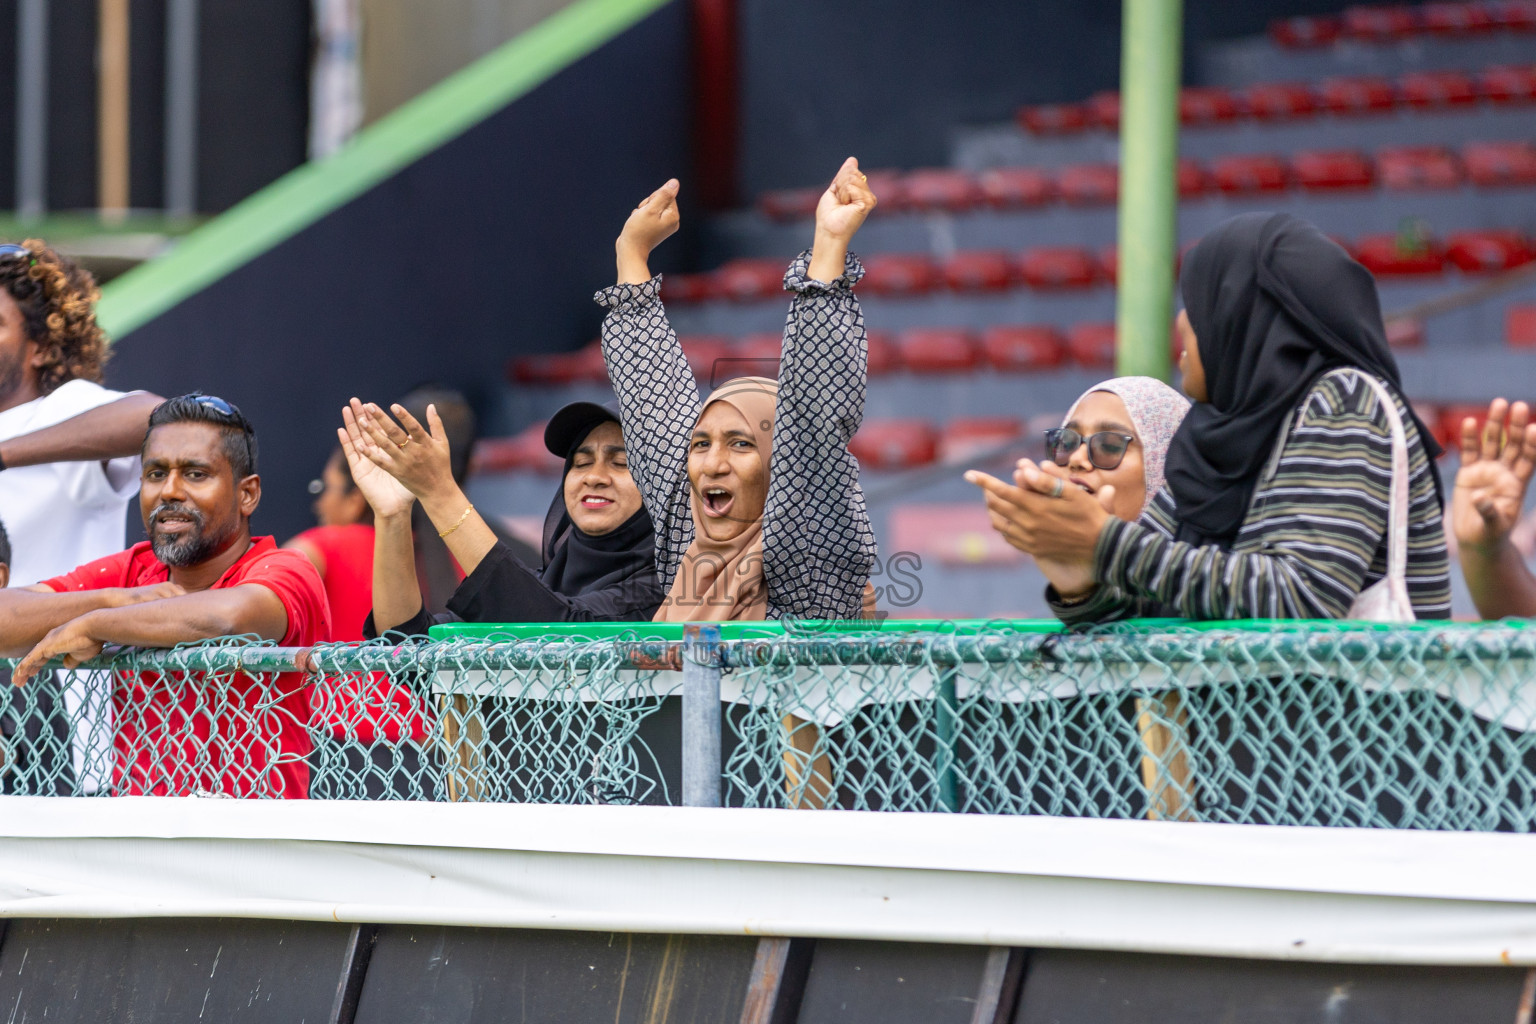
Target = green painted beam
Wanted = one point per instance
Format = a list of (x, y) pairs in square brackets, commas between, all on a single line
[(304, 195), (1149, 199)]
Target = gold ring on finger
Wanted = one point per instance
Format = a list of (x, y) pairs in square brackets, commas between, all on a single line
[(407, 441)]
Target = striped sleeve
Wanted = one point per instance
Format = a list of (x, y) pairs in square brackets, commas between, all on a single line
[(1314, 536)]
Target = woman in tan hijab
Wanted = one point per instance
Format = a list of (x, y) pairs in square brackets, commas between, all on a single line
[(756, 498)]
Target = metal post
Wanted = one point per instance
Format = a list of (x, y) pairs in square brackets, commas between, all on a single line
[(946, 727), (112, 109), (31, 109), (181, 108), (1151, 39), (701, 716)]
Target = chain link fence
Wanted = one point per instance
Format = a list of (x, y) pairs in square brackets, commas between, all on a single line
[(1430, 727)]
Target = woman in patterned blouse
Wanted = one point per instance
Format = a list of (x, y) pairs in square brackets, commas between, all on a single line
[(760, 519)]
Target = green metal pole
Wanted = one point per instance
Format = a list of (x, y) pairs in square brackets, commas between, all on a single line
[(1152, 39)]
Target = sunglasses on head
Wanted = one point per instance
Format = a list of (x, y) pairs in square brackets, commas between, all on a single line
[(218, 405), (1106, 449), (12, 251)]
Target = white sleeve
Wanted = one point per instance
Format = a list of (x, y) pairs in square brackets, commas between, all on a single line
[(89, 483)]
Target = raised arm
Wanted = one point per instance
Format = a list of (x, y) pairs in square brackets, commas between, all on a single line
[(396, 590), (817, 539), (237, 611), (1496, 468), (108, 431), (658, 397)]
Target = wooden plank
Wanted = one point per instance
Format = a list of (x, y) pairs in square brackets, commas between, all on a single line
[(171, 969), (1078, 987), (1165, 767), (778, 981), (422, 974), (112, 113), (1000, 981), (857, 982)]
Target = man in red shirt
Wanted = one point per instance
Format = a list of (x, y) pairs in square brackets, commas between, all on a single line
[(200, 575)]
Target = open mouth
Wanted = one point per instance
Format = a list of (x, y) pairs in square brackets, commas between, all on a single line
[(595, 502), (174, 522), (718, 501), (1082, 483)]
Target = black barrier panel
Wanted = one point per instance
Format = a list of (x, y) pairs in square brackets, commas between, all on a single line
[(1073, 987), (853, 982), (173, 969), (433, 975)]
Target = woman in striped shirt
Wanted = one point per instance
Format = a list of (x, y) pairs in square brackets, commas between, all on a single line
[(1278, 479)]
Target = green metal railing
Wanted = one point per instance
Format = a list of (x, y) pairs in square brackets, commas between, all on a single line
[(1428, 726)]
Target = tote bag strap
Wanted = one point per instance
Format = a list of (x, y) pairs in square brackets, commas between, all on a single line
[(1397, 517)]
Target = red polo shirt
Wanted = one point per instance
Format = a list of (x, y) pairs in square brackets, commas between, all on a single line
[(230, 733)]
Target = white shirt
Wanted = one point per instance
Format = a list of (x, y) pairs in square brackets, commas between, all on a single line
[(62, 514)]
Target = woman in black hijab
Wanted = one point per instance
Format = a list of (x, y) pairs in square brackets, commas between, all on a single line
[(1279, 478), (599, 546)]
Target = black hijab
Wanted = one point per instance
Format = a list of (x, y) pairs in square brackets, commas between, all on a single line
[(1274, 305), (577, 563)]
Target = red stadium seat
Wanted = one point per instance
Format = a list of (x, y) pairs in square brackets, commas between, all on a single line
[(1007, 187), (1520, 326), (1193, 180), (1023, 348), (942, 189), (1418, 168), (703, 352), (1305, 33), (1358, 95), (523, 452), (1054, 118), (1092, 345), (967, 438), (890, 188), (1508, 84), (1379, 24), (762, 350), (898, 274), (1109, 263), (589, 363), (1332, 170), (1437, 90), (1389, 256), (1280, 101), (683, 288), (1207, 105), (1404, 332), (1512, 15), (950, 533), (1104, 110), (1251, 175), (1089, 184), (895, 444), (978, 271), (748, 280), (1480, 252), (1059, 267), (1448, 428), (884, 355), (1455, 19), (559, 369), (1497, 164), (789, 204), (938, 350)]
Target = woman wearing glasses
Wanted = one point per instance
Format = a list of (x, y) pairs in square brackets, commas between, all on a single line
[(1300, 479), (1114, 441)]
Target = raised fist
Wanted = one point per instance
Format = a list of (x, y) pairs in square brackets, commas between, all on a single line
[(651, 223), (845, 203)]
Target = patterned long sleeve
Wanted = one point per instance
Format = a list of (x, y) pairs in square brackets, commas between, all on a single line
[(818, 545), (658, 407), (1313, 539)]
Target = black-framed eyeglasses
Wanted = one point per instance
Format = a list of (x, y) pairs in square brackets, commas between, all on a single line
[(1106, 449)]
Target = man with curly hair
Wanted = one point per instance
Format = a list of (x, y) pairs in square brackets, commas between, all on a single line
[(68, 446)]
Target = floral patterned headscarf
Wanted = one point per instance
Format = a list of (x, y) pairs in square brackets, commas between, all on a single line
[(1156, 410)]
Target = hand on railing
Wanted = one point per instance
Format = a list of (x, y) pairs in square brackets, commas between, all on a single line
[(650, 224)]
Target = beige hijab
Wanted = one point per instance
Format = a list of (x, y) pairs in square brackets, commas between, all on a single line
[(722, 581)]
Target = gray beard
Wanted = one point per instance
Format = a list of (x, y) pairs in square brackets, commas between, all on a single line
[(191, 548)]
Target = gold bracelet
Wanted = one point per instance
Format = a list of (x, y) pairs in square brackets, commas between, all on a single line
[(455, 526)]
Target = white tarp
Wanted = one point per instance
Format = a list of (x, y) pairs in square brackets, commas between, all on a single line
[(1360, 895)]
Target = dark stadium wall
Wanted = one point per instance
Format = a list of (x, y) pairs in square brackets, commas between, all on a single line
[(888, 80), (253, 99), (488, 246)]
